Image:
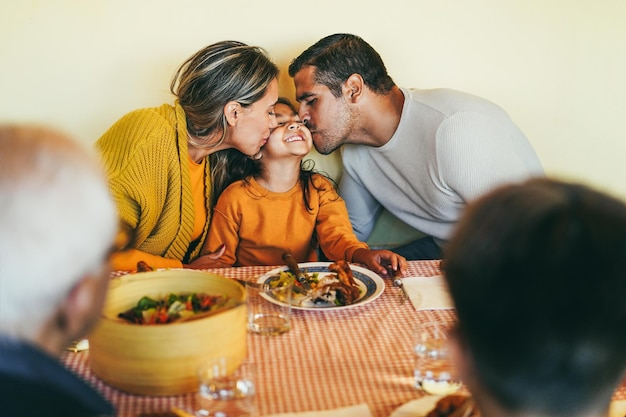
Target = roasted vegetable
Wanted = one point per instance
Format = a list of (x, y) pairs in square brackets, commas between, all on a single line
[(172, 307)]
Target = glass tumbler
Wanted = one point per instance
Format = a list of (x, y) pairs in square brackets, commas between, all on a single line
[(434, 371), (226, 388), (269, 308)]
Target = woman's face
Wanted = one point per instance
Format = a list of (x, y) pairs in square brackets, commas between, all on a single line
[(254, 123)]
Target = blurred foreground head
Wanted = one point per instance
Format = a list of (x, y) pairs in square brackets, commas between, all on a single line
[(537, 272), (57, 225)]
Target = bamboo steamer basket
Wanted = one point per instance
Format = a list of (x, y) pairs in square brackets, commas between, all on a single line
[(162, 359)]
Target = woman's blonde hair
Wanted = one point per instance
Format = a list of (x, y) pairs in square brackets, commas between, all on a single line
[(219, 73)]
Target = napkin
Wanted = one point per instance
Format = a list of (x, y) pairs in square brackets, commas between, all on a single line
[(428, 293), (360, 410), (617, 409), (421, 406), (416, 408)]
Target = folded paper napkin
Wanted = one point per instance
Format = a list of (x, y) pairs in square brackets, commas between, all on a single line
[(421, 406), (428, 293), (360, 410), (617, 409)]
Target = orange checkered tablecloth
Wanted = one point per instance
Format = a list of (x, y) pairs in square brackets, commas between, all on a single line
[(329, 359)]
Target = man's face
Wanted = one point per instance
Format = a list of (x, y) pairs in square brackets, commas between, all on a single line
[(328, 117)]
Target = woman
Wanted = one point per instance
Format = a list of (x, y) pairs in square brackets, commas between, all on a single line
[(161, 163)]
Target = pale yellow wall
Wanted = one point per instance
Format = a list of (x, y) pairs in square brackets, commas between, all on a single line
[(557, 66)]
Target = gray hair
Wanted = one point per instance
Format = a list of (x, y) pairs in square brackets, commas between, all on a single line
[(222, 72), (58, 223)]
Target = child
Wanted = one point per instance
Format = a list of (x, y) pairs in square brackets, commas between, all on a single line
[(282, 205)]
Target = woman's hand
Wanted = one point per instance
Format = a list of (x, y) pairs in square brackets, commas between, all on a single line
[(384, 262), (208, 260)]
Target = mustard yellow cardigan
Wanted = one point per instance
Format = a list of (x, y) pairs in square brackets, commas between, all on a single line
[(147, 165)]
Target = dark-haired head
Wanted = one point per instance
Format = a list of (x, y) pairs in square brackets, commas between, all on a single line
[(537, 272), (337, 57)]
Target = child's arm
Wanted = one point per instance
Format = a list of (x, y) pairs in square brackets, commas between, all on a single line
[(333, 229), (384, 262), (338, 241)]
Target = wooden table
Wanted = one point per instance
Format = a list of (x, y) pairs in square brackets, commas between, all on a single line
[(329, 359)]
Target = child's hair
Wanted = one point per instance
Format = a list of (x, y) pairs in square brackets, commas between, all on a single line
[(307, 170), (228, 166), (287, 102)]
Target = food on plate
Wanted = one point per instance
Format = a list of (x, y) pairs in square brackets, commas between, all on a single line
[(174, 307), (337, 288), (454, 405), (346, 290)]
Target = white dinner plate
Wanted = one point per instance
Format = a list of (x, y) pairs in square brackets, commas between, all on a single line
[(371, 286), (617, 408)]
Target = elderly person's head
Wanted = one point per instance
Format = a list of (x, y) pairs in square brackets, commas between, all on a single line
[(537, 272), (58, 224)]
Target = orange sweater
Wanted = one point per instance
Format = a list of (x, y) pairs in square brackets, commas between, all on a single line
[(258, 225)]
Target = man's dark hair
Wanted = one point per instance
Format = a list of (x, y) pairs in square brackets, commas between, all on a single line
[(337, 57), (537, 272)]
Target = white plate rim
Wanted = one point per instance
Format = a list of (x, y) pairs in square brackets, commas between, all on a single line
[(377, 279)]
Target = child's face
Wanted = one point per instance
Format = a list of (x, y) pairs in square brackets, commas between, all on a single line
[(290, 137)]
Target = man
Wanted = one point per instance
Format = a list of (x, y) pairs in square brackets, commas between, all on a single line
[(421, 154), (58, 224), (537, 272)]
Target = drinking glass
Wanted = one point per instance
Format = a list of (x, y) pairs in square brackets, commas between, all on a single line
[(434, 371), (269, 317), (226, 388), (78, 345)]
